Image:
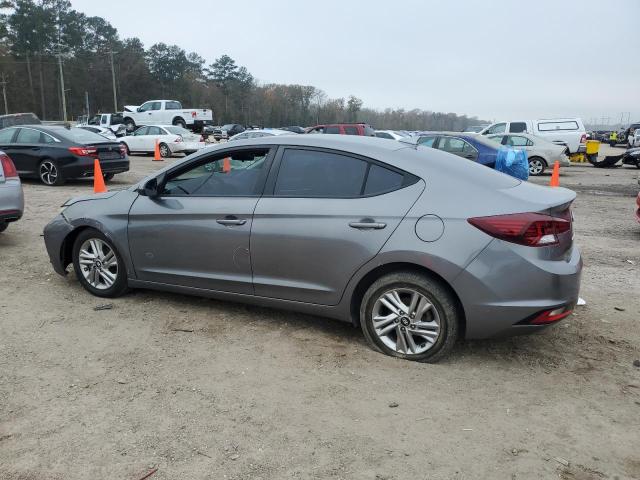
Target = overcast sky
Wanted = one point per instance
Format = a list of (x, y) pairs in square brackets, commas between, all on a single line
[(497, 59)]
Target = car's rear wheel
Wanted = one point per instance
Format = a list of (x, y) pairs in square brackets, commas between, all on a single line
[(165, 151), (50, 173), (410, 316), (129, 124), (178, 122), (98, 265), (3, 226), (536, 166)]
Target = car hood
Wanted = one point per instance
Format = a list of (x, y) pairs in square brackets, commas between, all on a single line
[(131, 108), (95, 196)]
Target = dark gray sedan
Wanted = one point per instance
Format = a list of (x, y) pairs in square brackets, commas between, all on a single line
[(418, 247)]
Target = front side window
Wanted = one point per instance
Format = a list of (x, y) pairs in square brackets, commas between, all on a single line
[(6, 135), (317, 130), (517, 127), (27, 135), (310, 173), (334, 129), (497, 128), (145, 107), (233, 174), (351, 130)]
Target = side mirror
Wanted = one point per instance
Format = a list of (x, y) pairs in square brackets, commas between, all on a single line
[(139, 109), (151, 189)]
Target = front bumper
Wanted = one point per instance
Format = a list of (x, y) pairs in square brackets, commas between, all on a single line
[(55, 235), (506, 285)]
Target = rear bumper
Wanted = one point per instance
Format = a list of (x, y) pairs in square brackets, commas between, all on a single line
[(501, 289), (55, 233), (11, 201), (84, 168)]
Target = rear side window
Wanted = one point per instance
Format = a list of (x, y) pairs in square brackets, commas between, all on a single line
[(332, 129), (517, 127), (309, 173), (26, 135), (553, 126), (382, 180), (6, 135), (351, 130), (518, 141), (173, 106)]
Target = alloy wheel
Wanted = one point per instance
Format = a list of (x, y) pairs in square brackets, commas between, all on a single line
[(406, 321), (98, 263), (48, 172), (164, 151), (535, 167)]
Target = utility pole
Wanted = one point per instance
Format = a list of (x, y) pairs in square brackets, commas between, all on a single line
[(113, 79), (64, 100), (4, 93), (86, 100)]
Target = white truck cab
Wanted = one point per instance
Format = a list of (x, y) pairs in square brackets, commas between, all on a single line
[(166, 112), (569, 132)]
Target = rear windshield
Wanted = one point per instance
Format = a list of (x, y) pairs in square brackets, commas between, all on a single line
[(19, 119), (177, 130), (80, 135)]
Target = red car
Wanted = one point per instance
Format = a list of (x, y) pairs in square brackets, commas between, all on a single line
[(344, 129)]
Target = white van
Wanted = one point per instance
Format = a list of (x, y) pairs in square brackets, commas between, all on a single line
[(569, 132)]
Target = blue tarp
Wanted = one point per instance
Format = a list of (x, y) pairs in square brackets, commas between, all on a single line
[(513, 162)]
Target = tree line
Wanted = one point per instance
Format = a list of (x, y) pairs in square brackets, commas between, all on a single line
[(40, 38)]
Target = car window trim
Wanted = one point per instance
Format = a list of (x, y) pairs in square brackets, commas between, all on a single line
[(269, 189), (259, 189)]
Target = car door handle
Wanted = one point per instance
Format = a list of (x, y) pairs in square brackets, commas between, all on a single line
[(366, 225), (231, 221), (35, 148)]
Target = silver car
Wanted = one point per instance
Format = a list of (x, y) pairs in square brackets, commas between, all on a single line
[(416, 246), (541, 153), (11, 196)]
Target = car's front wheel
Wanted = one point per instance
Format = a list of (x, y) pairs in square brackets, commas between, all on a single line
[(410, 316), (98, 265)]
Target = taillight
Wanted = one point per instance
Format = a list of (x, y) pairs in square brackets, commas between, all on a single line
[(8, 166), (123, 150), (550, 316), (84, 151), (583, 139), (529, 229), (202, 138)]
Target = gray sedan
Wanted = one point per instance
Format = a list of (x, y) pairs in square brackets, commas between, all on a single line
[(11, 197), (416, 246), (541, 153)]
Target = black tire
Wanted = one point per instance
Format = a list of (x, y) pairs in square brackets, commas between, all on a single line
[(539, 164), (165, 151), (3, 226), (638, 164), (130, 124), (179, 122), (50, 173), (437, 294), (108, 176), (119, 286)]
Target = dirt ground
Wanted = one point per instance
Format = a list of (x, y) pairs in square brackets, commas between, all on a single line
[(201, 389)]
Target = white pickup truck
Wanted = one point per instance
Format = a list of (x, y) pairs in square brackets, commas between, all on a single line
[(569, 132), (166, 112)]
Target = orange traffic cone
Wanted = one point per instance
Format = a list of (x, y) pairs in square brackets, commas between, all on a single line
[(156, 153), (555, 176), (226, 165), (98, 179)]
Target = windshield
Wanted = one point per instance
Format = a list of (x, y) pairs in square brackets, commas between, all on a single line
[(80, 135), (177, 130)]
